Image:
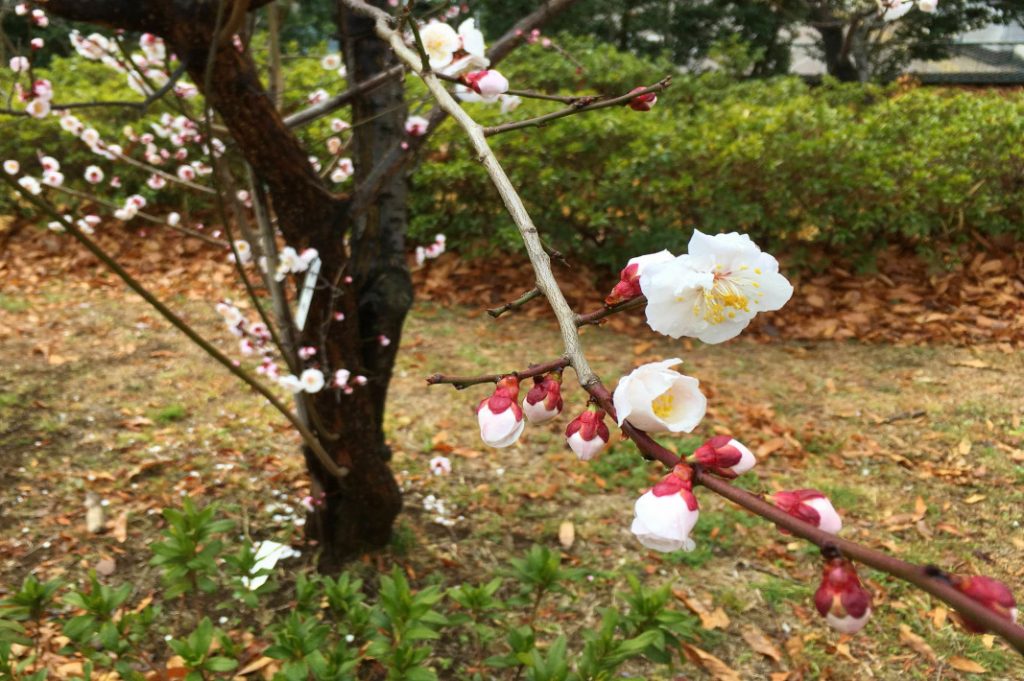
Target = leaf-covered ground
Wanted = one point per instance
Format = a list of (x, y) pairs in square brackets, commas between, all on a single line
[(921, 448)]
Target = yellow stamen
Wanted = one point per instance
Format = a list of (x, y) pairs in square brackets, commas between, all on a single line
[(662, 405)]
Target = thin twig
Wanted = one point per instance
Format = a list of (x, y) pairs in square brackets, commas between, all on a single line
[(515, 304), (461, 382), (582, 106), (608, 310)]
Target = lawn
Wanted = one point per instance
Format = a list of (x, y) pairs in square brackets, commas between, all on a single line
[(921, 448)]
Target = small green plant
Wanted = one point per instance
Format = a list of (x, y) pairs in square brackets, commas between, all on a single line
[(197, 654), (187, 556)]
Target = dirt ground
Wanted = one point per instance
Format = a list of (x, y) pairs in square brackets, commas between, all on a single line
[(921, 448)]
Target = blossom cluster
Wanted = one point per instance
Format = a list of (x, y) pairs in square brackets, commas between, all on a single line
[(434, 250)]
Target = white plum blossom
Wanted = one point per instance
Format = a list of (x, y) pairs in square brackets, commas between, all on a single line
[(440, 465), (53, 178), (656, 398), (93, 175), (666, 514), (331, 62), (291, 382), (440, 42), (243, 251), (338, 125), (416, 125), (714, 290), (19, 64), (894, 9), (312, 380), (30, 184), (472, 38), (156, 182), (509, 103), (55, 226), (290, 261), (49, 163), (173, 219), (928, 6), (11, 167), (38, 108)]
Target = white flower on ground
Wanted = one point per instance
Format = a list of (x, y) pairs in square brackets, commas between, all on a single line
[(500, 418), (656, 398), (312, 380), (440, 42), (268, 553), (440, 465), (810, 506), (715, 290), (667, 513), (55, 226)]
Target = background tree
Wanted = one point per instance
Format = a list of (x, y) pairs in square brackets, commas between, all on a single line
[(851, 36), (355, 315)]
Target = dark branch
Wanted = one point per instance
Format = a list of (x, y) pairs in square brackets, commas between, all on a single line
[(460, 382)]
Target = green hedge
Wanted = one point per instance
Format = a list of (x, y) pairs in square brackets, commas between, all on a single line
[(848, 166)]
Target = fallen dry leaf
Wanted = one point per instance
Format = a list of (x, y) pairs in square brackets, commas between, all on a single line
[(760, 643), (712, 665), (916, 643), (120, 527), (709, 619), (962, 664)]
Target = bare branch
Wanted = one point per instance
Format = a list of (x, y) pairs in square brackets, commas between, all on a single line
[(583, 105), (461, 382), (515, 304)]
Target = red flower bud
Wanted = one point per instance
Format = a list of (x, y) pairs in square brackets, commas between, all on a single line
[(642, 102), (841, 599), (500, 418), (544, 400), (810, 506), (991, 593), (725, 456), (629, 278), (587, 434)]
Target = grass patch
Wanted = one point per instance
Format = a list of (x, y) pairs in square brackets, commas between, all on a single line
[(172, 413)]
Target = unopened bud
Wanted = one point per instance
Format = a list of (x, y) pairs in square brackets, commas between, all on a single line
[(488, 84), (643, 102), (543, 402), (500, 418), (629, 278), (841, 599), (725, 456), (810, 506), (991, 593), (587, 434)]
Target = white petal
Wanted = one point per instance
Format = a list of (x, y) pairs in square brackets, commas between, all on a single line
[(848, 624), (499, 430), (747, 458), (664, 521), (538, 413), (830, 521), (585, 450)]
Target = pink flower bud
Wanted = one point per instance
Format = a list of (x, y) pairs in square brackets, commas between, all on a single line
[(665, 515), (991, 593), (841, 599), (642, 102), (725, 456), (544, 400), (629, 278), (587, 434), (810, 506), (488, 84), (500, 418)]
